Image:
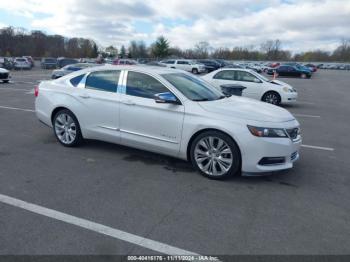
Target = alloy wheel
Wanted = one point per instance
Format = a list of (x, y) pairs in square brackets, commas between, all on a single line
[(213, 156), (65, 128)]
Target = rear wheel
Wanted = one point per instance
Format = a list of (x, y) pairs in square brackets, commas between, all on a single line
[(66, 128), (303, 76), (272, 97), (215, 155)]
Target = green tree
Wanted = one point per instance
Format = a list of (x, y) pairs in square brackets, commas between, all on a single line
[(160, 48), (122, 52)]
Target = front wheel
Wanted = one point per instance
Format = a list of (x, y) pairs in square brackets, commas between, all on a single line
[(195, 71), (215, 155), (66, 128), (272, 98)]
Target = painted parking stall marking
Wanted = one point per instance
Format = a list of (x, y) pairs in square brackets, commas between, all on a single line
[(318, 147), (17, 108), (98, 228), (307, 116)]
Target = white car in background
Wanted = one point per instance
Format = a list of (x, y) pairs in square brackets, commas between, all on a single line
[(257, 86), (4, 75), (170, 112), (21, 63), (185, 64)]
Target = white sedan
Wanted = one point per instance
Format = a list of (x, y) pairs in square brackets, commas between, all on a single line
[(5, 75), (171, 112), (257, 86)]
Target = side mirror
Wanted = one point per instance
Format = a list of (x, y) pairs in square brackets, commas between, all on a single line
[(166, 98)]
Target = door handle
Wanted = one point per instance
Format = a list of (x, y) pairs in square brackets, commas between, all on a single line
[(85, 96), (128, 102)]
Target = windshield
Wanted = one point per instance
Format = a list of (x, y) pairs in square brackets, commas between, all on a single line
[(193, 88)]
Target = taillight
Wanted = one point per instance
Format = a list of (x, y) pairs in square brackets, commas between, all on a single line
[(36, 91)]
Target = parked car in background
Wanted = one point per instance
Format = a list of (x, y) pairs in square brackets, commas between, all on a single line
[(220, 135), (293, 71), (69, 69), (185, 64), (312, 67), (124, 62), (62, 61), (30, 60), (6, 63), (257, 86), (210, 65), (21, 63), (232, 66), (48, 63), (155, 63), (5, 75)]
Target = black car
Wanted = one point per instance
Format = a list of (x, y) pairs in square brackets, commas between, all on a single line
[(70, 68), (48, 63), (288, 70), (210, 65), (62, 61)]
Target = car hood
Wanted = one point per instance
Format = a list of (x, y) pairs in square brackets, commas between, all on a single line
[(281, 83), (248, 109), (3, 70)]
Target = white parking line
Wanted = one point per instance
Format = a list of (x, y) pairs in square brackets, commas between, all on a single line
[(310, 116), (99, 228), (319, 147), (305, 102), (16, 108)]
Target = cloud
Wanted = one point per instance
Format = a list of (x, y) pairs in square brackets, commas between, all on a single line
[(300, 25)]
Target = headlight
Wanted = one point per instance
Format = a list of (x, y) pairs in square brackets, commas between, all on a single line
[(288, 90), (267, 132)]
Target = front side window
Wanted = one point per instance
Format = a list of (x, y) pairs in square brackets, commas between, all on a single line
[(103, 80), (193, 88), (142, 85), (225, 75), (183, 63), (245, 77)]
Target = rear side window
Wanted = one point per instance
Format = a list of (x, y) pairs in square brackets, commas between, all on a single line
[(103, 80), (225, 75), (76, 80), (143, 85)]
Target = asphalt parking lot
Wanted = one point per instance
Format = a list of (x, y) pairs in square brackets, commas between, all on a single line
[(305, 210)]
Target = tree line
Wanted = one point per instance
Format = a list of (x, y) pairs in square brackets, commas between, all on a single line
[(18, 42)]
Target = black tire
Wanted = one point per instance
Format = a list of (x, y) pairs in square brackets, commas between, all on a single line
[(195, 71), (78, 137), (5, 81), (271, 97), (233, 169)]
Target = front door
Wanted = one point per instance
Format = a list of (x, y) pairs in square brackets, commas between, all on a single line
[(146, 124)]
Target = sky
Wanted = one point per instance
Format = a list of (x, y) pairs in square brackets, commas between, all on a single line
[(301, 25)]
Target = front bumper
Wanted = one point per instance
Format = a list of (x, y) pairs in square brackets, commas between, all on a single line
[(259, 148), (288, 98)]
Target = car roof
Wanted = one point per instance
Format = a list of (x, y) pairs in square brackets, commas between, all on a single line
[(152, 70)]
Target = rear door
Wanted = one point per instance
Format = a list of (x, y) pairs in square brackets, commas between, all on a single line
[(100, 114)]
